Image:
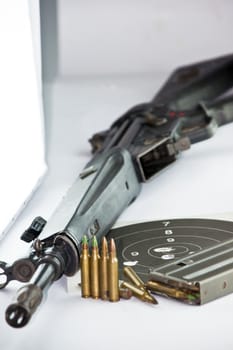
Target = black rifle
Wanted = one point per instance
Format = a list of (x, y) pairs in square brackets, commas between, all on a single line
[(141, 143)]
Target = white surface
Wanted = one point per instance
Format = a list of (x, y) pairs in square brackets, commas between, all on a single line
[(34, 12), (21, 141), (135, 36), (200, 182), (76, 107)]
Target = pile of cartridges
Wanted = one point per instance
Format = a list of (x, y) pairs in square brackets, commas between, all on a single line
[(99, 275)]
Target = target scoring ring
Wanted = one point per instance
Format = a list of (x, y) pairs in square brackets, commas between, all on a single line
[(156, 243)]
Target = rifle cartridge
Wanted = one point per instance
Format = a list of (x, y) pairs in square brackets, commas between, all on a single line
[(103, 270), (172, 292), (85, 269), (94, 269), (133, 277), (139, 293), (136, 280), (113, 279)]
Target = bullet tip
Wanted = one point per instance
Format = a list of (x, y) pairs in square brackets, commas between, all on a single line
[(104, 246), (155, 302), (94, 242), (151, 299), (112, 247), (84, 240)]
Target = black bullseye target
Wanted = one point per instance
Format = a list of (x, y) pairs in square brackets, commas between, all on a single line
[(153, 244)]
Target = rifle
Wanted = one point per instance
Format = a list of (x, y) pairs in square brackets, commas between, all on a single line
[(141, 143)]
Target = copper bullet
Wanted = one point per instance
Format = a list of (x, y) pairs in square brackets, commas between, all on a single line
[(85, 271), (103, 270), (94, 269), (139, 293), (113, 273)]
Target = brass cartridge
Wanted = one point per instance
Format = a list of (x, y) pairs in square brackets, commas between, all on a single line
[(133, 277), (85, 270), (183, 295), (160, 288), (103, 270), (113, 280), (94, 269), (139, 293), (136, 280)]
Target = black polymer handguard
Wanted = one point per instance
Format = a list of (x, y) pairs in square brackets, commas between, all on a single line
[(190, 106), (141, 143)]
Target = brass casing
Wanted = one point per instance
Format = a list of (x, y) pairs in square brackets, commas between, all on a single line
[(139, 293), (133, 277), (103, 275), (160, 288), (113, 277), (136, 280), (94, 272), (113, 280), (85, 273), (172, 292)]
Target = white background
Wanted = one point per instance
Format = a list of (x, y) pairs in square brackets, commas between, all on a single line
[(100, 58), (21, 136)]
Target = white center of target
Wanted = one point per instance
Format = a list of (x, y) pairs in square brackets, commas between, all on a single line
[(163, 249)]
